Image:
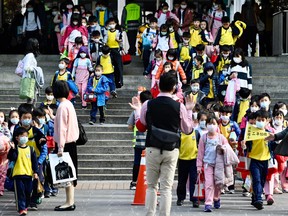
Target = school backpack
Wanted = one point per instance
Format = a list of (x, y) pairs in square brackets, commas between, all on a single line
[(82, 140), (146, 42)]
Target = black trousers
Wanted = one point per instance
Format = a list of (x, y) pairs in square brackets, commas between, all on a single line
[(132, 34), (118, 67), (250, 39)]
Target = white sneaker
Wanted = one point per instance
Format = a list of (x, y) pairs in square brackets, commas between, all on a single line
[(246, 194), (277, 191)]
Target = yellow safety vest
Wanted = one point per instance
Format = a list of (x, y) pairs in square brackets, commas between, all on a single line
[(195, 37), (188, 147), (226, 37), (107, 65), (23, 165), (133, 12), (111, 39)]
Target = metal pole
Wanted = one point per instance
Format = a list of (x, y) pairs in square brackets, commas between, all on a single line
[(120, 5)]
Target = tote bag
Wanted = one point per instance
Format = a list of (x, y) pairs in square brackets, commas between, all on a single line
[(27, 88)]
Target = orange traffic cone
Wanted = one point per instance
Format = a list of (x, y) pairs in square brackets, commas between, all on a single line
[(140, 193)]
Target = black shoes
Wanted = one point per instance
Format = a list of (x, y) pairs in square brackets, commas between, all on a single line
[(180, 202), (69, 208)]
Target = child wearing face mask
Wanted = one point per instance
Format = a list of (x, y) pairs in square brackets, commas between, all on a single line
[(209, 49), (209, 83), (50, 100), (197, 35), (223, 59), (98, 85), (4, 149), (93, 26), (72, 53), (95, 46), (13, 120), (67, 14), (202, 117), (197, 67), (184, 54), (81, 67), (37, 140), (265, 101), (281, 106), (259, 151), (163, 14), (197, 108), (25, 169), (4, 130), (153, 66), (197, 94), (174, 38), (206, 160), (242, 105), (161, 42)]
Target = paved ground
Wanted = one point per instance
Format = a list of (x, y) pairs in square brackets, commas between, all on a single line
[(110, 198)]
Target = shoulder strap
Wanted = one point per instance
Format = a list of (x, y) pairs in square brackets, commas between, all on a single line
[(147, 31), (148, 116)]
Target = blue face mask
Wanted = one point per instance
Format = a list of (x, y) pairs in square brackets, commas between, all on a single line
[(260, 125), (264, 104), (26, 122), (23, 140), (42, 121)]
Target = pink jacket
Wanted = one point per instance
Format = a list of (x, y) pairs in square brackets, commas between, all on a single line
[(65, 125), (232, 88), (4, 148)]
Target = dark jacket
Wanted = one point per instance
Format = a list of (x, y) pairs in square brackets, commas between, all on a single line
[(201, 95), (204, 80)]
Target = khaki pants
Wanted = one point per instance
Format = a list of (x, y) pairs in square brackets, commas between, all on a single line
[(161, 166)]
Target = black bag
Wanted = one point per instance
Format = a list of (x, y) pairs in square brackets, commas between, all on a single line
[(63, 171), (164, 139), (82, 140), (282, 147)]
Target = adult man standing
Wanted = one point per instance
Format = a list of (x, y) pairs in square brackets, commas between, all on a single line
[(163, 118)]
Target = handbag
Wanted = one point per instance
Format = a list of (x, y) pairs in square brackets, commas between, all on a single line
[(27, 88), (199, 191), (20, 68), (40, 188), (244, 164), (126, 58), (90, 97), (50, 142), (155, 91), (82, 140)]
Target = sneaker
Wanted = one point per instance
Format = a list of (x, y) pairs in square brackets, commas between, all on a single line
[(258, 205), (101, 123), (33, 206), (195, 204), (47, 195), (84, 107), (223, 191), (91, 123), (246, 194), (133, 186), (277, 191), (180, 202), (208, 208), (217, 204), (231, 192), (54, 193), (23, 212), (270, 200), (285, 190), (114, 94)]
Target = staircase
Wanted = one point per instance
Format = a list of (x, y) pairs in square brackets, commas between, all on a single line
[(108, 155)]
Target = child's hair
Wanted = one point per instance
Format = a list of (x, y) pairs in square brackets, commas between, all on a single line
[(163, 27), (10, 114), (251, 115), (25, 108), (225, 19), (112, 19), (38, 112), (65, 60), (210, 119), (237, 16), (196, 19), (172, 52), (153, 19), (186, 35), (278, 106), (78, 40), (48, 90), (255, 98), (105, 49), (278, 113), (226, 109), (261, 96), (225, 48), (158, 52), (214, 106), (99, 66), (145, 95), (19, 131), (244, 93), (199, 59), (195, 81), (200, 47), (198, 107), (92, 19), (169, 22), (95, 33), (168, 63), (262, 113), (200, 114), (207, 29)]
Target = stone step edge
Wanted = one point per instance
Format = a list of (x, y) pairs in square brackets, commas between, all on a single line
[(103, 160), (101, 168)]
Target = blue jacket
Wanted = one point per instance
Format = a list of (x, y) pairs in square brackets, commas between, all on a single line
[(101, 88), (204, 82)]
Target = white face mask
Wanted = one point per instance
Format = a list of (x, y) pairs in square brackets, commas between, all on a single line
[(225, 118), (194, 89), (202, 124), (264, 104), (50, 97), (254, 109), (171, 29), (165, 11), (225, 55), (96, 40), (82, 55), (98, 74), (283, 111), (112, 26), (84, 24), (186, 41), (69, 6), (212, 128), (195, 114), (14, 121), (260, 125), (75, 23), (170, 58), (1, 120), (237, 60), (61, 66), (225, 72), (278, 122), (54, 13), (183, 6)]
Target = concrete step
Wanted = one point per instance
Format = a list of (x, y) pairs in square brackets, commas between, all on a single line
[(107, 150), (104, 163), (109, 119), (107, 143), (91, 156), (106, 127), (104, 170), (109, 135), (103, 177)]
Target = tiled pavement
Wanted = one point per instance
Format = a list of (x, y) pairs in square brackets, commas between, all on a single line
[(114, 198)]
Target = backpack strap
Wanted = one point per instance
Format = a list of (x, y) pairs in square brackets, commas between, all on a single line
[(147, 31)]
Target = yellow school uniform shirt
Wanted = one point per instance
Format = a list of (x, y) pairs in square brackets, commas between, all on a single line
[(195, 37), (95, 83), (173, 42), (260, 150), (197, 72), (111, 39), (23, 165), (102, 18), (243, 107), (194, 96), (225, 130), (211, 92), (184, 54), (222, 63), (107, 65), (226, 37), (188, 147), (32, 142)]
